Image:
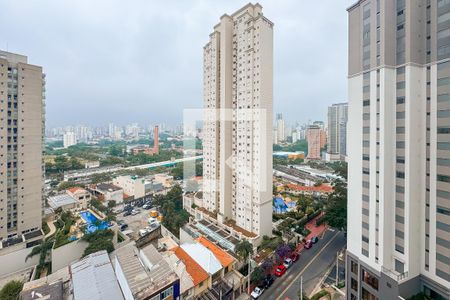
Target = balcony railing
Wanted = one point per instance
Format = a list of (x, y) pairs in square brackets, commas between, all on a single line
[(394, 274)]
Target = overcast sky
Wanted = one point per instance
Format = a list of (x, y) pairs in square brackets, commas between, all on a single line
[(141, 61)]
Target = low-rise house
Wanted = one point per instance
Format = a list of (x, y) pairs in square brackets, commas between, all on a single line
[(144, 274), (108, 192), (131, 185), (164, 179), (81, 195), (207, 265)]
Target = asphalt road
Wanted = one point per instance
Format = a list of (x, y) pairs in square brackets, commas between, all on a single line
[(312, 265)]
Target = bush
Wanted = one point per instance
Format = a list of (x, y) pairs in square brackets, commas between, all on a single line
[(320, 294), (11, 290)]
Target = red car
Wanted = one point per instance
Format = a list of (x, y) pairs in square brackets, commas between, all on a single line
[(281, 269), (308, 244), (295, 256)]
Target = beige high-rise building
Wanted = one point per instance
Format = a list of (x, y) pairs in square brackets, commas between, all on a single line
[(237, 129), (314, 137), (22, 88), (398, 149)]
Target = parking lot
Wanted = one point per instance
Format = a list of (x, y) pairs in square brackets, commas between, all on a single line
[(136, 222)]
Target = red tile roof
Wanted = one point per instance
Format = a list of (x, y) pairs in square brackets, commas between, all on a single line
[(321, 189), (224, 258), (74, 189), (196, 272)]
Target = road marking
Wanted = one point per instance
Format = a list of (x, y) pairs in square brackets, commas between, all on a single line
[(306, 267)]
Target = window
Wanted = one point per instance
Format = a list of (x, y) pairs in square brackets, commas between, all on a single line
[(354, 285), (370, 279), (443, 113), (443, 178), (399, 266), (400, 100), (443, 130), (167, 293), (400, 115), (354, 267), (443, 145)]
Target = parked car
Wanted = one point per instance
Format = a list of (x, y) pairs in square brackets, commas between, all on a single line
[(147, 206), (308, 244), (268, 281), (314, 239), (287, 263), (128, 207), (139, 203), (134, 212), (281, 269), (127, 213), (257, 292), (143, 232), (295, 256), (123, 226)]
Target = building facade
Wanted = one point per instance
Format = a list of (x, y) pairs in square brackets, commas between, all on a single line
[(314, 136), (22, 88), (237, 125), (281, 128), (337, 130), (69, 139), (399, 149)]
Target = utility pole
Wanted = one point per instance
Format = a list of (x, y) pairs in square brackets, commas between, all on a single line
[(248, 275), (337, 268), (301, 287)]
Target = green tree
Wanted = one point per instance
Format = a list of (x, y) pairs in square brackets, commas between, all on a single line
[(244, 249), (257, 275), (303, 202), (99, 240), (336, 208), (11, 290)]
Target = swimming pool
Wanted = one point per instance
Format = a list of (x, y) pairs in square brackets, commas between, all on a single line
[(93, 224)]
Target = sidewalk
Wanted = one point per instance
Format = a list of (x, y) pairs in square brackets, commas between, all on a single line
[(52, 229)]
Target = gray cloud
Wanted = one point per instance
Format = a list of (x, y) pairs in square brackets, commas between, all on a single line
[(141, 61)]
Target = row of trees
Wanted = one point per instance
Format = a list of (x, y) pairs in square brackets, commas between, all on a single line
[(171, 207)]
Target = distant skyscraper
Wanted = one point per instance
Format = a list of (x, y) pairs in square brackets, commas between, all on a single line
[(237, 163), (281, 128), (22, 91), (313, 137), (111, 130), (69, 139), (337, 130), (156, 140), (399, 149)]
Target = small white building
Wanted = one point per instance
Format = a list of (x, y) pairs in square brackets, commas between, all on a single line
[(164, 179), (108, 192), (131, 185)]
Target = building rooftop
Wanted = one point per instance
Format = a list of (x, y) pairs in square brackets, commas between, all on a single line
[(203, 256), (53, 290), (60, 200), (107, 187), (186, 282), (93, 278), (196, 272), (75, 189), (145, 270), (224, 258)]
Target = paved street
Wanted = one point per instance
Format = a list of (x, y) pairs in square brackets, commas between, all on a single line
[(312, 265)]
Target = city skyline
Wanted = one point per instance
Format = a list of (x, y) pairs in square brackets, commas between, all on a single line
[(125, 73)]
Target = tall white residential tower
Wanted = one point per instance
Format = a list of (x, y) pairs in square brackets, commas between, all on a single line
[(237, 129), (399, 149)]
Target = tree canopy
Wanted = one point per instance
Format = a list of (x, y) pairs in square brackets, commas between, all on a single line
[(11, 290)]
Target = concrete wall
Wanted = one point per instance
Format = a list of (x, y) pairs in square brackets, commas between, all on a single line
[(64, 255), (15, 261)]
